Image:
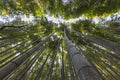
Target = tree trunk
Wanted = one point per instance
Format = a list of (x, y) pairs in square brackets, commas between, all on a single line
[(83, 68), (62, 68), (105, 43), (29, 64), (100, 41), (41, 68), (50, 70), (19, 27), (12, 47), (7, 69), (70, 68)]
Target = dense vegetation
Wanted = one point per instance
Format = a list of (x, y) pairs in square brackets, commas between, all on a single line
[(41, 49)]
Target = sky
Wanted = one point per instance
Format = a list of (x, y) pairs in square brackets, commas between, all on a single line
[(50, 18), (60, 20)]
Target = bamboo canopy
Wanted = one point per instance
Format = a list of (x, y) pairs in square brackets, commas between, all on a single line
[(59, 40)]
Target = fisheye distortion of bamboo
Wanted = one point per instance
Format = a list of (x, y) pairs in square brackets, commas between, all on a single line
[(59, 39)]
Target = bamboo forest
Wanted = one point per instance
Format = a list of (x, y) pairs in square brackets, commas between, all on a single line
[(59, 39)]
